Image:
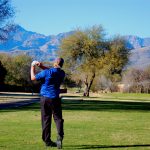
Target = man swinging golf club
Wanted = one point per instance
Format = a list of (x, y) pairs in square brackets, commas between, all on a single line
[(51, 79)]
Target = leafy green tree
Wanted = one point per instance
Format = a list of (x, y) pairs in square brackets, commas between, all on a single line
[(116, 58), (18, 69), (21, 65), (86, 53)]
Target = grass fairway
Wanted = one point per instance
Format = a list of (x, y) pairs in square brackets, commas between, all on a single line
[(89, 124)]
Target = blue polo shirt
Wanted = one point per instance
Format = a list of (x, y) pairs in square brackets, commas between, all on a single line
[(51, 80)]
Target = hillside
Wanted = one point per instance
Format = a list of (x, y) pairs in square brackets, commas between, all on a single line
[(140, 57)]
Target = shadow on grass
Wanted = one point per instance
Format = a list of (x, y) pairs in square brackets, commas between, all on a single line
[(30, 107), (89, 105), (107, 146), (100, 105)]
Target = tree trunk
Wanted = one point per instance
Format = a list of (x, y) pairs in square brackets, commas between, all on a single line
[(88, 86), (86, 92)]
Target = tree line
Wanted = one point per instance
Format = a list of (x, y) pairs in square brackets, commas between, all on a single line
[(91, 60), (15, 73), (100, 64), (92, 63)]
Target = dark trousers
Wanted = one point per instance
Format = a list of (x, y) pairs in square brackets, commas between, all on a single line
[(51, 107)]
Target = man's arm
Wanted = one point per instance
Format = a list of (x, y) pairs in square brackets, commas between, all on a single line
[(33, 73), (39, 64), (33, 64)]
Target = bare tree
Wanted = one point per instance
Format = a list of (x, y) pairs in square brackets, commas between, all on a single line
[(6, 13), (137, 80)]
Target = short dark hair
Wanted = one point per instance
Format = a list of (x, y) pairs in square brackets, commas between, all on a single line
[(59, 61)]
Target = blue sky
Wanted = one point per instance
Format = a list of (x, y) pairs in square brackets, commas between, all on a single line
[(124, 17)]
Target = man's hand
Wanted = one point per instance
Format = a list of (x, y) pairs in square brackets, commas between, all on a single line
[(35, 63)]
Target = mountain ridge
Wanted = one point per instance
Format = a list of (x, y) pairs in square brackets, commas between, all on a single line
[(32, 43), (42, 47)]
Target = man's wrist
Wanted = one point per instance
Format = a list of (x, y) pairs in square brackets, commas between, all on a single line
[(34, 63)]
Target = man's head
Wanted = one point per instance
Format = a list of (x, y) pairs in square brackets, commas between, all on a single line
[(59, 62)]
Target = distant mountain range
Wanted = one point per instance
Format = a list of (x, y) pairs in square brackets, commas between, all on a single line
[(42, 47), (36, 45)]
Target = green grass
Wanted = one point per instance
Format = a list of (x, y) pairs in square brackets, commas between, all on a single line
[(112, 96), (89, 124), (127, 96)]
